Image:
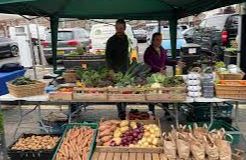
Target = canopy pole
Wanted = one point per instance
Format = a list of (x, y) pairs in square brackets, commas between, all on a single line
[(54, 30), (173, 33), (159, 26), (243, 38)]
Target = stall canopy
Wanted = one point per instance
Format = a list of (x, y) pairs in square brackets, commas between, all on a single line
[(111, 9)]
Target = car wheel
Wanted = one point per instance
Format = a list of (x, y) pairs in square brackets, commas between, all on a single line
[(218, 52), (14, 50)]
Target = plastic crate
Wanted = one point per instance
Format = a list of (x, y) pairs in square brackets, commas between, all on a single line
[(200, 112), (31, 154), (71, 125)]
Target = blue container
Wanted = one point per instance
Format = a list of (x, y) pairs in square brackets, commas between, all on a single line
[(8, 76)]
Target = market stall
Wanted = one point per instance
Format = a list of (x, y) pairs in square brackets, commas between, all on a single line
[(106, 87), (158, 89)]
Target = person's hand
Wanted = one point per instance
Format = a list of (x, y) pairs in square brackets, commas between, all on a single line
[(163, 71), (181, 64)]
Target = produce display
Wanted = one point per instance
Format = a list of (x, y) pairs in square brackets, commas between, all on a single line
[(197, 143), (76, 144), (36, 142), (159, 80), (222, 69), (129, 134), (135, 114), (136, 75), (22, 81)]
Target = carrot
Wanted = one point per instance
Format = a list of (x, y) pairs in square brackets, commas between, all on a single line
[(84, 155)]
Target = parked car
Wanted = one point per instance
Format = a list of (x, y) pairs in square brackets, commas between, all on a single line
[(188, 34), (166, 40), (140, 35), (8, 47), (69, 39), (100, 33), (216, 32)]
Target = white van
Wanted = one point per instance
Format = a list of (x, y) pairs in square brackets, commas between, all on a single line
[(100, 33)]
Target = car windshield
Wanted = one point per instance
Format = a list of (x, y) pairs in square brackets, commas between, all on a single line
[(216, 22), (105, 32), (139, 32), (166, 34), (62, 36)]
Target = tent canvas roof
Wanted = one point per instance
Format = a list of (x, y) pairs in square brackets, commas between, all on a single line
[(105, 9)]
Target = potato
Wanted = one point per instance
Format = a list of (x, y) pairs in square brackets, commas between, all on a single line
[(124, 129), (113, 128), (124, 123), (105, 133), (103, 127), (106, 138)]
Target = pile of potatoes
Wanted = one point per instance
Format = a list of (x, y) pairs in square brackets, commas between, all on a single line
[(36, 143)]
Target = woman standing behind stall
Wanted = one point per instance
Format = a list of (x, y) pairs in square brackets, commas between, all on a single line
[(156, 57)]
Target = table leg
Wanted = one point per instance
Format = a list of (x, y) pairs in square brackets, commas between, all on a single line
[(211, 114), (20, 120), (43, 127), (176, 114), (236, 114)]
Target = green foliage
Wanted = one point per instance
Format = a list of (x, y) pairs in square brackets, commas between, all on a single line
[(22, 81), (220, 65)]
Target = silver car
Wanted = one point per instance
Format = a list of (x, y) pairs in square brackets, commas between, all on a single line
[(69, 39)]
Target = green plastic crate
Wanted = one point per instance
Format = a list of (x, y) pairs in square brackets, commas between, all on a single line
[(71, 125), (218, 124)]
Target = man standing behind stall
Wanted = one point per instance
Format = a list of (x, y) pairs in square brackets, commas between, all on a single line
[(117, 56)]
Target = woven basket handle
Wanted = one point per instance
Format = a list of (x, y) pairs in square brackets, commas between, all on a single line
[(196, 70)]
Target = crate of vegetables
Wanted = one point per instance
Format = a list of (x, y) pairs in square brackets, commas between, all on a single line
[(24, 87), (129, 94), (90, 94), (34, 147), (231, 89), (62, 93), (77, 143), (129, 136)]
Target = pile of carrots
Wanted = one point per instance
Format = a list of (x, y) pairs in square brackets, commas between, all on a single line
[(76, 144)]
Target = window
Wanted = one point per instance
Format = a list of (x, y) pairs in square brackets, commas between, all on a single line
[(62, 36), (202, 24), (233, 21), (3, 39), (216, 22)]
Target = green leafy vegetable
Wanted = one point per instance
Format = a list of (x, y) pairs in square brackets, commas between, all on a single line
[(23, 81)]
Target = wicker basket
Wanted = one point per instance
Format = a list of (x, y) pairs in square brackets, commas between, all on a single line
[(230, 76), (231, 90), (26, 90), (90, 94), (126, 94), (70, 77)]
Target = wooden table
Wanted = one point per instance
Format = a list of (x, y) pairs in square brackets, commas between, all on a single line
[(127, 156)]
